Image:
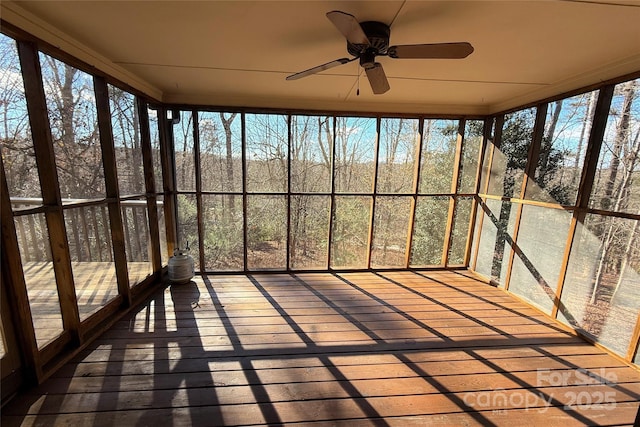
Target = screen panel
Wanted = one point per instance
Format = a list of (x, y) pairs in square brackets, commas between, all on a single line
[(429, 231), (267, 153), (309, 233), (354, 154), (311, 155), (220, 151), (438, 156), (390, 229), (603, 295), (510, 159), (350, 234), (73, 119), (397, 155), (266, 232)]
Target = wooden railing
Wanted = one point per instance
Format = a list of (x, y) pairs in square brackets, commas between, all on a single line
[(88, 231)]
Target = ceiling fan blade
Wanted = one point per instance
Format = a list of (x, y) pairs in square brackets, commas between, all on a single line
[(349, 27), (431, 51), (319, 68), (377, 79)]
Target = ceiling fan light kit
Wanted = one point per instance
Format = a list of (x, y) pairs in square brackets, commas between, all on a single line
[(367, 40)]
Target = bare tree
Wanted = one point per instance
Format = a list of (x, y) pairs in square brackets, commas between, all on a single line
[(591, 103), (126, 134), (228, 138), (310, 173), (616, 194), (17, 147), (621, 136), (73, 119)]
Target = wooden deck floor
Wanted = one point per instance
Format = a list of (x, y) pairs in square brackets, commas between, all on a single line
[(95, 284), (387, 349)]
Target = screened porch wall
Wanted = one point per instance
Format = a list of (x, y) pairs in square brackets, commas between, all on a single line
[(559, 205), (80, 157), (297, 192)]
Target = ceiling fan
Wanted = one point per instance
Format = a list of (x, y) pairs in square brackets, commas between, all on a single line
[(369, 39)]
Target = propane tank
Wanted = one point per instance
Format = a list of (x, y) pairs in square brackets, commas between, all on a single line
[(181, 266)]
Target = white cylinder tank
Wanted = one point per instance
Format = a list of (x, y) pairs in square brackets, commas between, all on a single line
[(181, 267)]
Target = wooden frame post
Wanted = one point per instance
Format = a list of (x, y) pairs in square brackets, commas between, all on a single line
[(45, 159), (111, 184), (165, 134), (150, 186), (372, 216), (495, 144), (530, 168), (486, 134), (592, 155), (16, 289), (414, 196), (245, 234), (453, 200), (332, 197), (287, 264), (634, 342), (198, 172)]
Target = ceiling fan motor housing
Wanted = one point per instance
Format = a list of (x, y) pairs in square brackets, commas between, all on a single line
[(378, 35), (368, 58)]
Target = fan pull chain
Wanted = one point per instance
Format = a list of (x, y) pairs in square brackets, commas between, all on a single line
[(358, 89)]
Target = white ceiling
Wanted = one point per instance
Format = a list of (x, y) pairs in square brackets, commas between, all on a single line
[(238, 53)]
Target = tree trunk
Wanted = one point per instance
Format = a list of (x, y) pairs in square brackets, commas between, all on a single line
[(590, 106), (68, 106), (323, 125), (547, 141), (622, 131), (226, 124), (602, 254), (138, 173), (633, 159), (502, 232), (628, 255), (551, 129)]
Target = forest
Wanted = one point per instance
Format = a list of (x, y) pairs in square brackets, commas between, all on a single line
[(325, 190)]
